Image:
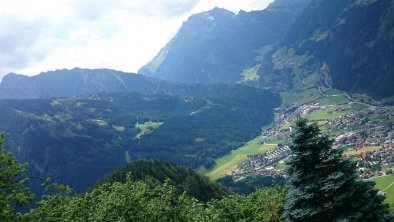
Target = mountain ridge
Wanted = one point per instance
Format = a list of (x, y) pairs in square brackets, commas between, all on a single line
[(222, 46)]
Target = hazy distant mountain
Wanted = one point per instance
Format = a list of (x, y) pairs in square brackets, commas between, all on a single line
[(75, 82), (354, 38), (80, 82), (216, 46)]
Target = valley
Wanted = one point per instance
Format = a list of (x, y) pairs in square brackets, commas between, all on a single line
[(338, 115), (290, 107)]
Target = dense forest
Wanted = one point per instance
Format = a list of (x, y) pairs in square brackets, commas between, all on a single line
[(78, 140), (156, 171)]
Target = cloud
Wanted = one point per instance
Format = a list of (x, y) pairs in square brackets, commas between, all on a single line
[(18, 38), (93, 9), (42, 35), (162, 7)]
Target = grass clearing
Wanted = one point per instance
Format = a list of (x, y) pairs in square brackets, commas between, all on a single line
[(324, 114), (280, 166), (302, 97), (146, 128), (290, 98), (358, 106), (229, 162), (334, 100), (386, 184), (251, 74), (362, 150), (333, 92)]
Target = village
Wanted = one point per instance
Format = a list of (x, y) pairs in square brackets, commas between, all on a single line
[(366, 134)]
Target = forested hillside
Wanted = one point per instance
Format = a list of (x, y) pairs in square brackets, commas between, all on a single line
[(156, 171), (76, 141), (354, 38)]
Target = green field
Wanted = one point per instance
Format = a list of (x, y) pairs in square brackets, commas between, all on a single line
[(362, 150), (229, 162), (302, 97), (333, 92), (325, 114), (386, 184), (358, 106), (332, 100), (146, 128)]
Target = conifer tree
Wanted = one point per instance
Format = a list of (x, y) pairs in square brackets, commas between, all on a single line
[(325, 187)]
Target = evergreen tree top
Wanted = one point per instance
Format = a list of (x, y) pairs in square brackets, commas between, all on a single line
[(325, 187)]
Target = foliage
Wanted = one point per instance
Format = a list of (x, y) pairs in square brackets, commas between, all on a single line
[(128, 201), (322, 186), (13, 191), (138, 201), (263, 205)]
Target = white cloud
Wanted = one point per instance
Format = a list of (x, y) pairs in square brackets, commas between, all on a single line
[(41, 35)]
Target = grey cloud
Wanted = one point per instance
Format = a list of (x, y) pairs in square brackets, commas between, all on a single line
[(172, 8), (17, 32), (95, 10), (17, 36)]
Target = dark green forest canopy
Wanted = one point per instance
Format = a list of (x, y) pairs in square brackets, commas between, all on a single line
[(157, 171), (76, 141)]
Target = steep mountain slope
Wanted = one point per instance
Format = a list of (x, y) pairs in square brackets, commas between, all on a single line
[(77, 141), (217, 46), (352, 39)]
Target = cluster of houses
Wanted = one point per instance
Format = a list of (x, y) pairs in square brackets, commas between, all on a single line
[(363, 128), (308, 109), (375, 163), (355, 129), (262, 164)]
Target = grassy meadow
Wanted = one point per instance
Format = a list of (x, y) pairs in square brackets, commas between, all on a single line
[(229, 162)]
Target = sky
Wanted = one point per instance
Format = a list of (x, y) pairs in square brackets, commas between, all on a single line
[(43, 35)]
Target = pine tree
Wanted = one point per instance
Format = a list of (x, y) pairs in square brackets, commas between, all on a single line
[(325, 187)]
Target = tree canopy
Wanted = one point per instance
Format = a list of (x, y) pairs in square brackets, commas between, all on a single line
[(325, 187), (13, 191)]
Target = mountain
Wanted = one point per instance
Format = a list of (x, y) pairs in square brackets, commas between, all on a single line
[(157, 171), (218, 45), (352, 39), (82, 82), (79, 82), (78, 140)]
